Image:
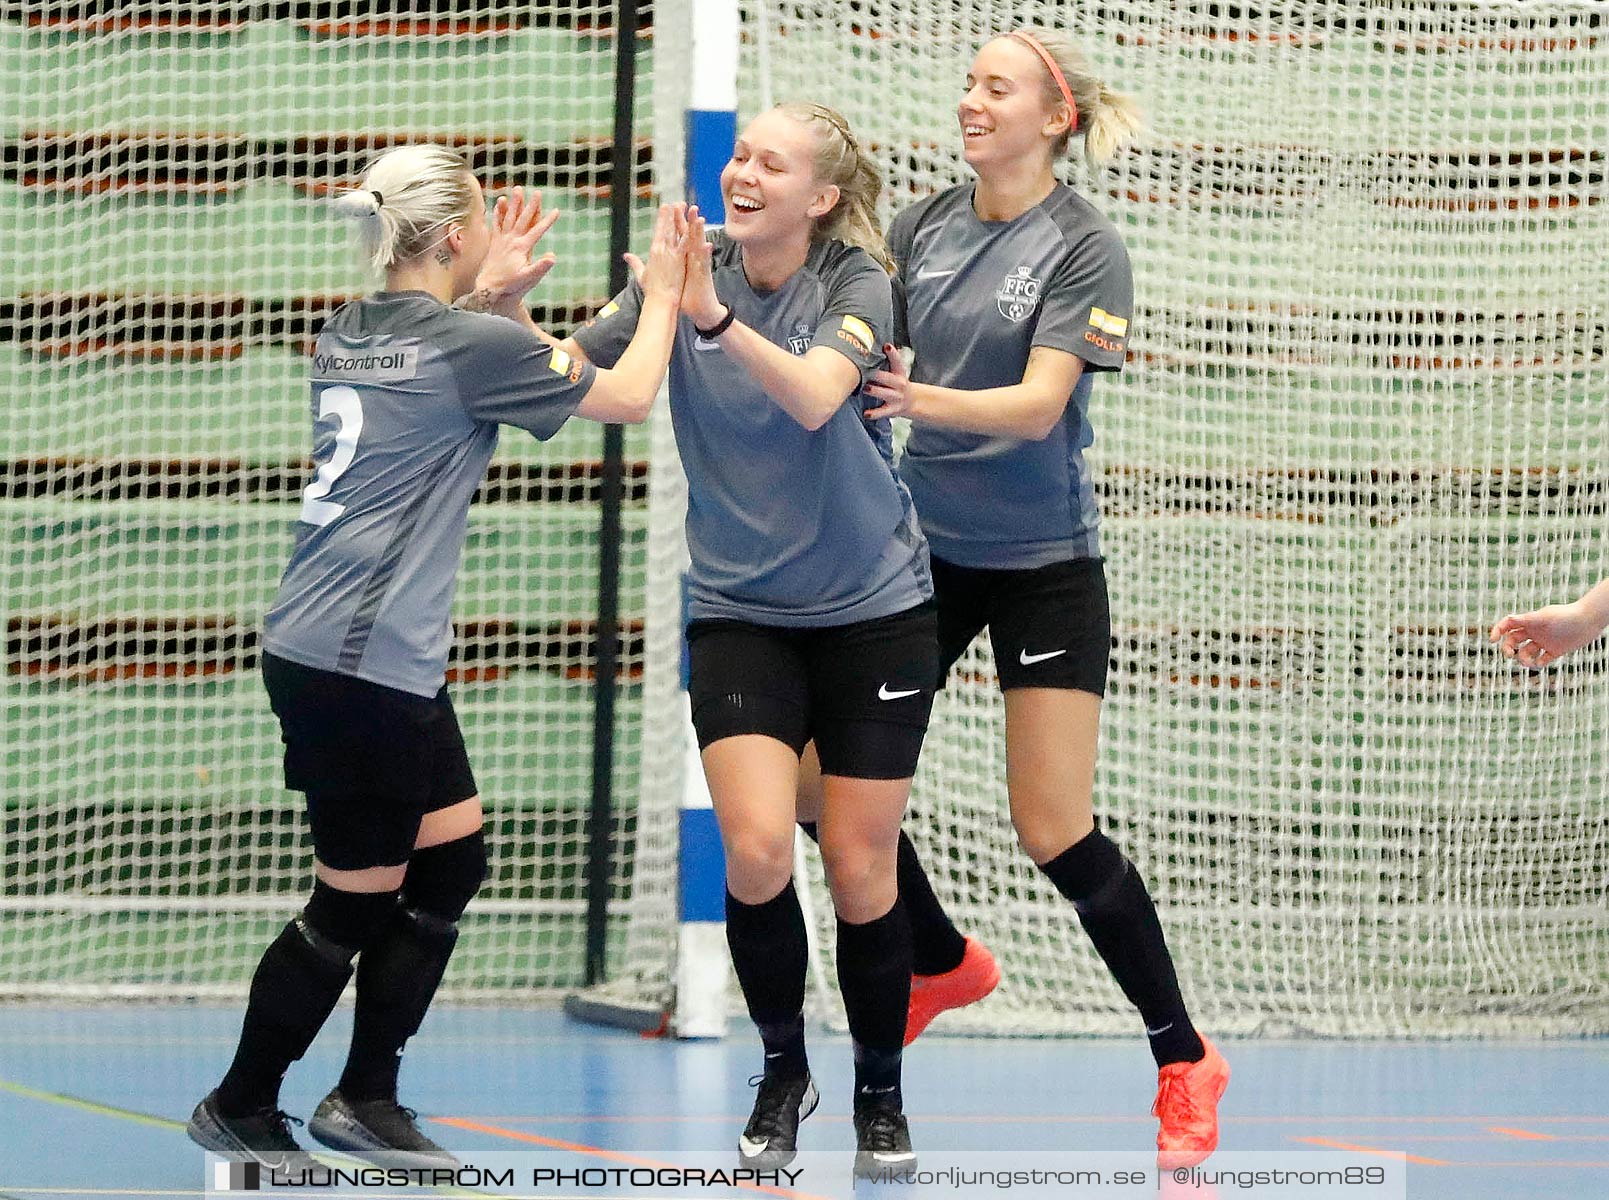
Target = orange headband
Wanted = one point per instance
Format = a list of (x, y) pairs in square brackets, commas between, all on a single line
[(1032, 43)]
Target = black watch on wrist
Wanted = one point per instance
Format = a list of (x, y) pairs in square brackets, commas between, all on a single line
[(719, 327)]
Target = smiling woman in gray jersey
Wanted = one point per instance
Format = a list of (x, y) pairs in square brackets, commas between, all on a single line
[(407, 397), (1013, 292), (809, 595)]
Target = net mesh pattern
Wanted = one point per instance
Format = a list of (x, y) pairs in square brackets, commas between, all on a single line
[(1362, 418), (169, 257)]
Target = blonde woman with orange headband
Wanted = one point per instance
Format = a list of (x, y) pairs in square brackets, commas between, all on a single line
[(1014, 292)]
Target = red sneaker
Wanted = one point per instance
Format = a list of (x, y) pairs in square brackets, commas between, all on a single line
[(1187, 1105), (966, 984)]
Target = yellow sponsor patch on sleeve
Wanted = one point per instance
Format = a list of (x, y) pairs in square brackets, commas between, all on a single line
[(559, 364), (604, 313), (858, 332), (1107, 322)]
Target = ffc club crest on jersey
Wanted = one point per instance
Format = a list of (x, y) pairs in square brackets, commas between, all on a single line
[(1018, 295), (799, 339)]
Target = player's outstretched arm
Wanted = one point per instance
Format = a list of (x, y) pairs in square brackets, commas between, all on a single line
[(809, 389), (1537, 638), (1027, 410), (624, 394)]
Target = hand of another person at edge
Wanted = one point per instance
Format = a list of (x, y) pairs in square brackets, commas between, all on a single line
[(517, 224), (1536, 638), (699, 300), (890, 387), (666, 269)]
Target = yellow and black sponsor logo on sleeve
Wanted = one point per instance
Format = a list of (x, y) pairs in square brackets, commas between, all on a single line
[(1106, 329), (563, 363), (604, 313), (857, 333)]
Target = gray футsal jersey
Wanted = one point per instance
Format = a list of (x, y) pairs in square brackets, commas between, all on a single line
[(786, 526), (972, 297), (407, 395)]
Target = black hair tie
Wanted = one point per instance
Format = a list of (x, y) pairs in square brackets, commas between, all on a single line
[(379, 200)]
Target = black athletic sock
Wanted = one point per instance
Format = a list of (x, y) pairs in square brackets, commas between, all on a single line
[(1117, 913), (874, 975), (293, 992), (397, 979), (936, 944), (771, 956), (784, 1043)]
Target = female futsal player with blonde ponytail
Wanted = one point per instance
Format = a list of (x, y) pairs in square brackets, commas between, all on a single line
[(407, 396), (1014, 292), (809, 597)]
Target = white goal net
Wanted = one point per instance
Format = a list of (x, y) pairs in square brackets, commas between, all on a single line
[(1366, 413), (166, 258)]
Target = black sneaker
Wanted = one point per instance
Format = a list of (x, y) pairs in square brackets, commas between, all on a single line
[(771, 1138), (263, 1136), (882, 1141), (382, 1128)]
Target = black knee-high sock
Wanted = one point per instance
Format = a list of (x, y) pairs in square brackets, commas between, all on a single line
[(398, 975), (874, 975), (397, 979), (770, 955), (293, 992), (1117, 913), (936, 944)]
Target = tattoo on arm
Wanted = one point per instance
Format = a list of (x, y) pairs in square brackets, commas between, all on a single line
[(480, 300)]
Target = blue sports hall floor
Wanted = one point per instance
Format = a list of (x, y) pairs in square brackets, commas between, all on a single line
[(93, 1100)]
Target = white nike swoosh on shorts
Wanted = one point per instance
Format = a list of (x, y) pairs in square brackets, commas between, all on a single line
[(1029, 660), (752, 1149), (884, 694), (937, 274), (704, 343)]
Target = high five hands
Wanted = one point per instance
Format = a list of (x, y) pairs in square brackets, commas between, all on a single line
[(696, 287), (517, 224)]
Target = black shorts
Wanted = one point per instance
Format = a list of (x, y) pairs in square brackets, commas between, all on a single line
[(1050, 626), (372, 760), (862, 692)]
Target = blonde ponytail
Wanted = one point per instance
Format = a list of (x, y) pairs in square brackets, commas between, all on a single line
[(1117, 121), (841, 162), (407, 195), (1109, 120)]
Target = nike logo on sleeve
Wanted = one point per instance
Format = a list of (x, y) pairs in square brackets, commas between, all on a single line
[(1029, 660)]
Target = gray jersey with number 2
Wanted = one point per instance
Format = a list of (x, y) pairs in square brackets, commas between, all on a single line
[(407, 395)]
